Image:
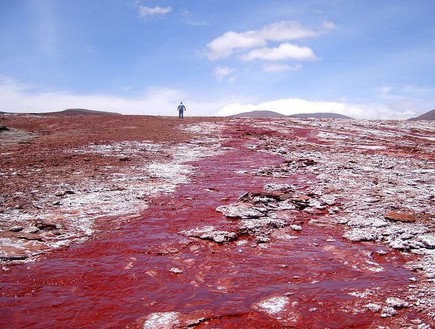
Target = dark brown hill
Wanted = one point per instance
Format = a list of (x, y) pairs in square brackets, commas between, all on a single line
[(78, 111), (425, 116), (74, 111), (258, 114)]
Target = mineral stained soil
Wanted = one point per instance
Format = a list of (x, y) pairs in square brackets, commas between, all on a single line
[(154, 222)]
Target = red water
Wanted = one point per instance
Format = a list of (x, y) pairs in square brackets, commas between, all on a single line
[(124, 274)]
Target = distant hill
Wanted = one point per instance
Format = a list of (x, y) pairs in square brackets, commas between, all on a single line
[(425, 116), (84, 112), (325, 115), (258, 114), (69, 112)]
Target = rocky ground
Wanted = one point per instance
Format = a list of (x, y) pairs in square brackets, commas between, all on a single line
[(266, 222), (61, 173)]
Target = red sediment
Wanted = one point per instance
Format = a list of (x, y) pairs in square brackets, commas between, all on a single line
[(123, 275)]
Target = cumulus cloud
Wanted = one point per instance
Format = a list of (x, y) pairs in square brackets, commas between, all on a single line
[(284, 51), (230, 42), (290, 106), (233, 42), (153, 11)]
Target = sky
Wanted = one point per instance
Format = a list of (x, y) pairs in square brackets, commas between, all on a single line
[(368, 59)]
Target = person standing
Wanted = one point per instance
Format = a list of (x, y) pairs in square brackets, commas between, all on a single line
[(181, 108)]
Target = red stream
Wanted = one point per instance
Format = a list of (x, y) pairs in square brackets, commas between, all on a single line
[(123, 275)]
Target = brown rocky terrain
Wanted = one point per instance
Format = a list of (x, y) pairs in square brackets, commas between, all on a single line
[(154, 222)]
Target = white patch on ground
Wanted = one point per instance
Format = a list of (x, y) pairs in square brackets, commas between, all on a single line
[(361, 294), (162, 320), (273, 305), (331, 136)]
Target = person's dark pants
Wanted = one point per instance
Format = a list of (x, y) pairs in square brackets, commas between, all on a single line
[(180, 114)]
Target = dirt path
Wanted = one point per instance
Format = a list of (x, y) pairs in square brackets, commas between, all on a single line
[(263, 234)]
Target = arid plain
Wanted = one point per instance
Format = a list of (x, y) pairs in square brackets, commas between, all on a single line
[(121, 221)]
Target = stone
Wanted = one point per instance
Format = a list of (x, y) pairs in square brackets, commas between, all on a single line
[(278, 187), (59, 193), (396, 302), (286, 205), (295, 227), (316, 204), (176, 270), (245, 196), (16, 228), (46, 226), (404, 245), (373, 307), (239, 211), (356, 235), (328, 199), (301, 200), (428, 240), (260, 225), (388, 312), (400, 216), (262, 239), (366, 222), (210, 233), (31, 230)]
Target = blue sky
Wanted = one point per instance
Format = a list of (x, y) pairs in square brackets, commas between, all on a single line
[(367, 59)]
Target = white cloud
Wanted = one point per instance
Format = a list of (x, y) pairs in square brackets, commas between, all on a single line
[(284, 51), (224, 72), (152, 11), (285, 30), (281, 67), (290, 106), (230, 42), (234, 42), (329, 26)]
